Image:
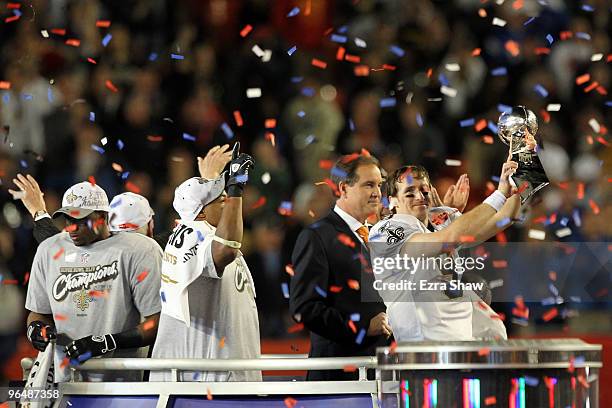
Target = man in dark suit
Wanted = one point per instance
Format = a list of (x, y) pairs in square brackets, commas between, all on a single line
[(328, 260)]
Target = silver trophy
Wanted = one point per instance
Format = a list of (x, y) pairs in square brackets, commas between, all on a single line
[(517, 128)]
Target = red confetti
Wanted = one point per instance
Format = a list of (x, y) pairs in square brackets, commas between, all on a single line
[(326, 164), (580, 193), (26, 278), (388, 67), (12, 6), (58, 31), (346, 240), (128, 225), (352, 326), (222, 342), (487, 139), (340, 53), (517, 5), (289, 270), (485, 351), (58, 316), (64, 363), (58, 253), (551, 314), (238, 118), (542, 51), (129, 186), (490, 400), (365, 152), (594, 207), (290, 402), (5, 85), (565, 35), (155, 138), (571, 367), (91, 180), (308, 8), (361, 70), (318, 63), (603, 141), (73, 42), (476, 52), (552, 275), (296, 328), (467, 238), (393, 347), (111, 86), (582, 79), (513, 48), (208, 394), (592, 86), (352, 58), (335, 289), (11, 19), (142, 275), (583, 381), (353, 284), (10, 282), (482, 305), (429, 72), (246, 30), (270, 123), (270, 137), (261, 201), (91, 60), (98, 293), (349, 368), (545, 115), (103, 23)]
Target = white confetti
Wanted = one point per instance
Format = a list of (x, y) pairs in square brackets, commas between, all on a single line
[(104, 141), (448, 91), (553, 107), (265, 178), (453, 67), (596, 57), (360, 43), (499, 22), (267, 56), (496, 283), (253, 92), (594, 125), (44, 33), (563, 232), (257, 51), (453, 163), (537, 234)]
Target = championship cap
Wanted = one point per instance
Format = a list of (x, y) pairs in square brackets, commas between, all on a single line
[(195, 193), (129, 212), (82, 199)]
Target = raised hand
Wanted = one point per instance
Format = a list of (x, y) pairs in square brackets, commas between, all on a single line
[(457, 195), (508, 169), (211, 166), (29, 193), (238, 174)]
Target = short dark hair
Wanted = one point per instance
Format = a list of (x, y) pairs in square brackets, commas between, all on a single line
[(345, 168), (415, 171)]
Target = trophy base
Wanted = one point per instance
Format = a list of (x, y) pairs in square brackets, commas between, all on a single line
[(530, 176)]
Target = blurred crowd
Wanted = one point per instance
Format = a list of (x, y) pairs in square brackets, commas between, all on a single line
[(131, 92)]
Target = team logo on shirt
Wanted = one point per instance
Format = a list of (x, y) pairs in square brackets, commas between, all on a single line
[(393, 235), (240, 278), (84, 257), (74, 279), (81, 299)]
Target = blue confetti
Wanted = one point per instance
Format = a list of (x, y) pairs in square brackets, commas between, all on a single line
[(583, 36), (310, 139), (419, 119), (529, 21), (338, 172), (177, 56), (195, 376), (576, 217), (308, 91), (495, 179), (296, 80), (85, 356), (467, 122), (397, 51), (443, 80), (301, 114), (385, 202), (492, 126), (23, 164), (6, 98), (200, 236), (163, 296), (587, 7), (125, 175), (292, 50), (360, 336), (286, 205), (153, 56), (503, 222), (229, 133), (609, 104), (294, 12), (97, 148), (531, 381), (17, 12), (343, 29), (120, 144), (115, 203), (553, 289), (187, 136), (320, 291), (355, 317), (540, 90), (387, 102), (243, 178), (50, 95), (550, 39), (338, 38), (564, 221), (499, 71), (27, 97), (501, 108), (351, 125), (92, 116), (579, 360), (106, 39), (409, 179), (285, 289)]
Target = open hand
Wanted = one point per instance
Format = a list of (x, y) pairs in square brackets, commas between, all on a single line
[(29, 193), (211, 166), (457, 195)]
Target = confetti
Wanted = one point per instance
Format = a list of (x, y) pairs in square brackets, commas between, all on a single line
[(349, 368), (499, 71), (148, 325), (397, 50), (73, 42), (107, 38), (550, 39), (222, 342), (60, 317), (246, 30), (142, 275), (353, 284), (318, 63), (387, 102), (360, 336), (467, 122), (537, 234), (346, 240), (58, 253), (540, 90), (291, 50), (294, 12), (209, 395), (253, 92), (296, 328), (289, 269), (500, 264), (259, 203), (103, 23), (290, 402), (564, 232), (485, 351), (551, 314), (109, 85), (285, 290), (187, 136), (499, 22), (320, 291), (594, 207), (529, 21), (513, 48), (452, 162), (492, 400)]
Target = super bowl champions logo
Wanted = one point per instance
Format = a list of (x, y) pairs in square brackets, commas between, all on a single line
[(73, 279)]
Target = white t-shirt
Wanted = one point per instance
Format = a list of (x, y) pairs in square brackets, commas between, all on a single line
[(102, 288), (203, 315), (421, 315)]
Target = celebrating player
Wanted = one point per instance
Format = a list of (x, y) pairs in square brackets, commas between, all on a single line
[(208, 295), (93, 288)]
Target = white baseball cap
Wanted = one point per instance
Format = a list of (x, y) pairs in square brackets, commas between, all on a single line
[(82, 199), (129, 212), (195, 193)]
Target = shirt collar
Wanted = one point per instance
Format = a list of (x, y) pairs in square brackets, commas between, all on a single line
[(353, 224)]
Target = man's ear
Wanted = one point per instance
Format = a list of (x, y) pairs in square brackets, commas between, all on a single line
[(342, 188)]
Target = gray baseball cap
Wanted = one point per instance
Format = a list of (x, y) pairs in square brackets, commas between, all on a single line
[(82, 199), (195, 193)]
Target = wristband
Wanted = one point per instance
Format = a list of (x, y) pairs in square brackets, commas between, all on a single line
[(234, 190), (496, 200), (231, 244), (39, 215)]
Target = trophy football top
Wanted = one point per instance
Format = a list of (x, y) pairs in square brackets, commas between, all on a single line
[(513, 126)]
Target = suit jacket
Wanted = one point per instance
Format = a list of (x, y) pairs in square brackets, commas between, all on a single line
[(326, 257)]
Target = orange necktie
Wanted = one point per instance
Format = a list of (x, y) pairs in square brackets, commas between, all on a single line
[(363, 233)]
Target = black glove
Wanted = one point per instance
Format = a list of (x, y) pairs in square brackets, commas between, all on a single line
[(40, 334), (91, 346), (238, 173)]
